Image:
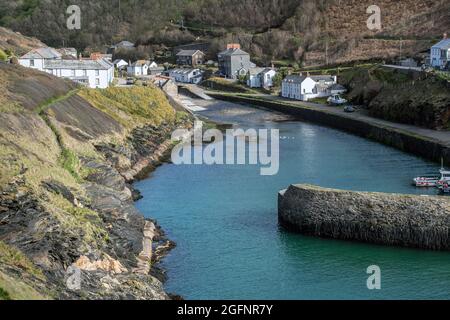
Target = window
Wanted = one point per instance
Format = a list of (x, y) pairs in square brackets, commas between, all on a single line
[(97, 73), (85, 73), (73, 73), (31, 63), (97, 82)]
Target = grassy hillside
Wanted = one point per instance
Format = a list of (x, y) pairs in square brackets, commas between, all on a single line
[(298, 31), (59, 147)]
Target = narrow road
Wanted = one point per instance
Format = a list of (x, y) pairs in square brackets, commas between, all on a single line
[(442, 136)]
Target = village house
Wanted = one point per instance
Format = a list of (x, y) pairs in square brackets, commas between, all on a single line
[(36, 58), (144, 68), (190, 58), (186, 75), (92, 73), (440, 54), (120, 64), (138, 68), (260, 77), (234, 62), (303, 88)]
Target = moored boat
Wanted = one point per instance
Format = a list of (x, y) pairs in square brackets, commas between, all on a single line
[(426, 181)]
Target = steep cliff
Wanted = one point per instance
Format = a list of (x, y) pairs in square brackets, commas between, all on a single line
[(66, 204), (400, 95), (389, 219)]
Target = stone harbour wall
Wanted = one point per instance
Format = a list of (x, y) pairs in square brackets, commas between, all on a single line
[(388, 219)]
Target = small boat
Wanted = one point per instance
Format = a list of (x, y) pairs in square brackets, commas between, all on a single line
[(336, 100), (426, 181), (441, 181)]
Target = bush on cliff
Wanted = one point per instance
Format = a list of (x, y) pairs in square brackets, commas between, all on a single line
[(401, 96)]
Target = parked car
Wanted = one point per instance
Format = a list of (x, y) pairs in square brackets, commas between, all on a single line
[(336, 100), (130, 81), (349, 109)]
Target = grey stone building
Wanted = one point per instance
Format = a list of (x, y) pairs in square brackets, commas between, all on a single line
[(190, 57), (234, 62)]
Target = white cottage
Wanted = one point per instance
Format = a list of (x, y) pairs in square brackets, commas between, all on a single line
[(260, 77), (186, 75), (91, 73), (120, 64), (303, 88), (35, 58), (138, 68), (440, 54)]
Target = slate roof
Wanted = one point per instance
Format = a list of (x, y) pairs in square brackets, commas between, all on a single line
[(42, 53), (444, 44), (233, 52), (78, 64), (189, 53), (295, 79)]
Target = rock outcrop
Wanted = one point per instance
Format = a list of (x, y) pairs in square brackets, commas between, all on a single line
[(389, 219)]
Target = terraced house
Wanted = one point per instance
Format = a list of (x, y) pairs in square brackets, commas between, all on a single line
[(91, 73)]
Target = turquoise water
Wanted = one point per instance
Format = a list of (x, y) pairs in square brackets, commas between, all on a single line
[(224, 220)]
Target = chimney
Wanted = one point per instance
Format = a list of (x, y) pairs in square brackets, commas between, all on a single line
[(233, 46)]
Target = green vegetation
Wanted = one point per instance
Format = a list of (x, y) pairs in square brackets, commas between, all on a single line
[(279, 31), (4, 295), (411, 97), (13, 257), (132, 107), (220, 84), (3, 55)]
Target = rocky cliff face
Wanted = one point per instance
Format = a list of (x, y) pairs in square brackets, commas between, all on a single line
[(401, 96), (389, 219), (68, 226)]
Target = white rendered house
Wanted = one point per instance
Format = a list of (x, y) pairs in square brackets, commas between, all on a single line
[(261, 77), (186, 75), (91, 73), (36, 58), (303, 88), (440, 54)]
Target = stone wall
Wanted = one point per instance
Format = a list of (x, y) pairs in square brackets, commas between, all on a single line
[(389, 219)]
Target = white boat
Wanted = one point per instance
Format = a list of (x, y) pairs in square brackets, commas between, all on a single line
[(336, 100), (426, 181)]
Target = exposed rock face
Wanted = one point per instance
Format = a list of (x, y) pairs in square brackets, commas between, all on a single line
[(390, 219)]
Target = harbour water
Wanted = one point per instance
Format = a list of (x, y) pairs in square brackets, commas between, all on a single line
[(229, 244)]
